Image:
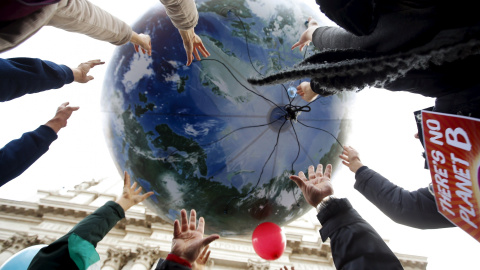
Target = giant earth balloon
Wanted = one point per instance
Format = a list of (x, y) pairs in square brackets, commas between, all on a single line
[(201, 136)]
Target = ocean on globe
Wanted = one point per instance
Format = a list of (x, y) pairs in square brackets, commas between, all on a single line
[(201, 137)]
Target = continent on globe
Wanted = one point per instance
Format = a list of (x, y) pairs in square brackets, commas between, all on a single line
[(201, 136)]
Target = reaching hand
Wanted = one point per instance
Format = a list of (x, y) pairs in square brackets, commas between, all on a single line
[(193, 44), (351, 159), (59, 121), (202, 259), (305, 91), (307, 36), (143, 42), (317, 186), (80, 73), (188, 240), (130, 196)]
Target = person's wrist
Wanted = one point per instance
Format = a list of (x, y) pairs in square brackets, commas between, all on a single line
[(55, 124), (125, 204), (179, 259), (356, 165), (77, 74), (324, 202)]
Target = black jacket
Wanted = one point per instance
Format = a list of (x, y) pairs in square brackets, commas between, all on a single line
[(355, 244), (411, 208)]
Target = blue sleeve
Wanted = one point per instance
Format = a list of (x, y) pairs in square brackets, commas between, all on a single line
[(354, 243), (411, 208), (21, 76), (19, 154)]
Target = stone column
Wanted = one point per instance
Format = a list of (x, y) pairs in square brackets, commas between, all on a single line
[(116, 259), (145, 258), (15, 243)]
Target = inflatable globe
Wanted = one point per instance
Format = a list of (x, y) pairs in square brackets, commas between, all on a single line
[(201, 137)]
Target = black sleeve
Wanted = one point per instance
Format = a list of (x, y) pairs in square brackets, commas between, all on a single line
[(17, 155), (412, 208), (356, 16), (21, 76), (166, 264), (354, 243)]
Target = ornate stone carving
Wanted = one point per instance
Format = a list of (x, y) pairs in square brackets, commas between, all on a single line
[(116, 259), (146, 256), (85, 185), (257, 265)]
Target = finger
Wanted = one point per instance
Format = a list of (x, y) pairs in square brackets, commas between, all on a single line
[(65, 104), (203, 50), (328, 171), (343, 157), (143, 51), (319, 171), (302, 176), (201, 225), (184, 220), (297, 181), (205, 260), (138, 191), (193, 219), (126, 179), (176, 228), (346, 163), (150, 48), (293, 268), (210, 239), (89, 78), (146, 195), (195, 52), (202, 255), (189, 59), (134, 186), (295, 45), (136, 47), (74, 108), (311, 173)]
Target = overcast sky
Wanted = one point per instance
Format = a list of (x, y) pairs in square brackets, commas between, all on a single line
[(383, 129)]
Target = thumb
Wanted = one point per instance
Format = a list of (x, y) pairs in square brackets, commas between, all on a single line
[(297, 180), (89, 78), (210, 239)]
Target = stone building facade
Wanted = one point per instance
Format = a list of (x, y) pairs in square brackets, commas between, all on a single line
[(139, 240)]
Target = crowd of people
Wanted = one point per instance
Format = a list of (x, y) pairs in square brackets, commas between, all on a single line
[(367, 32)]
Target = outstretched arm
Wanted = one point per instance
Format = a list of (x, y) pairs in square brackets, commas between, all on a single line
[(77, 248), (21, 76), (411, 208), (184, 16), (355, 244), (18, 155)]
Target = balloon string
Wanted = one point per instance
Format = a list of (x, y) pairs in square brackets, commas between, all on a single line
[(250, 57), (230, 133)]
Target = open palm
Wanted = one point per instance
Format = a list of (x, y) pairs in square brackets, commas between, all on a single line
[(317, 186), (188, 239)]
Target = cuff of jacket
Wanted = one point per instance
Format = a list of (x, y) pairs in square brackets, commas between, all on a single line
[(360, 170), (335, 216), (47, 134), (117, 208), (177, 259), (68, 74)]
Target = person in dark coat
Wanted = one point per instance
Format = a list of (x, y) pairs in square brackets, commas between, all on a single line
[(425, 47), (76, 249), (416, 209), (354, 243), (21, 76)]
